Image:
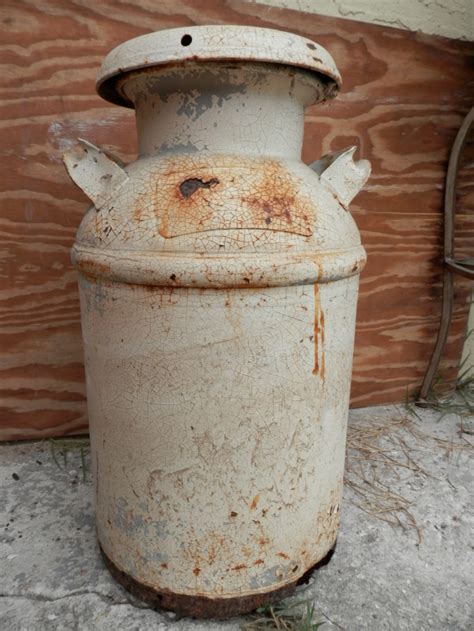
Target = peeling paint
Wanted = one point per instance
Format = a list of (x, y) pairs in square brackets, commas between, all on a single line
[(217, 377), (191, 185)]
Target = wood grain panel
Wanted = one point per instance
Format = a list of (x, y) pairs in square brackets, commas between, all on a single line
[(404, 97)]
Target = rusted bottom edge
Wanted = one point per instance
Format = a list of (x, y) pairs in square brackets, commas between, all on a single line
[(203, 606)]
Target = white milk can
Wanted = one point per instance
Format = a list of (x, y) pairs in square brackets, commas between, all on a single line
[(218, 281)]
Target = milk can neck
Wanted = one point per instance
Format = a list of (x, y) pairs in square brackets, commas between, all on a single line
[(237, 110)]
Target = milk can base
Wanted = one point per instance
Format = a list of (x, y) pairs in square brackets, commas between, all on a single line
[(202, 606)]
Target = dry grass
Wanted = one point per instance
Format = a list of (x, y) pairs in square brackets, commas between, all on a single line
[(390, 451), (284, 616)]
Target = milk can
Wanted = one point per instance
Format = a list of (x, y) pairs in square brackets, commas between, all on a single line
[(218, 281)]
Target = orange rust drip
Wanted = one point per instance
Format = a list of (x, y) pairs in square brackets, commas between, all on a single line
[(254, 503), (316, 330), (323, 355), (164, 225), (319, 366)]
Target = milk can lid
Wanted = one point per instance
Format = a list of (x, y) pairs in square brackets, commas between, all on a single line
[(213, 43)]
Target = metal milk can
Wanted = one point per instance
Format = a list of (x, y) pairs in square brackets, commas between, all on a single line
[(218, 284)]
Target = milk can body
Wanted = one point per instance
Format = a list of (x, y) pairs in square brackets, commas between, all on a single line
[(218, 283)]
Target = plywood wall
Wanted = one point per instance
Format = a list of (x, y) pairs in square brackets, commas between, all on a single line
[(404, 97)]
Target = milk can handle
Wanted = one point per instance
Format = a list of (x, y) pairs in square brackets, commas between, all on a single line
[(95, 172), (343, 175)]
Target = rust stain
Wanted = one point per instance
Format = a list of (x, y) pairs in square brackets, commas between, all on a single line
[(212, 554), (164, 566), (282, 555), (207, 550), (318, 336), (198, 195), (276, 204), (254, 502), (259, 562), (137, 213), (316, 330), (96, 270), (164, 229), (142, 206), (242, 566), (198, 605), (322, 371), (182, 202)]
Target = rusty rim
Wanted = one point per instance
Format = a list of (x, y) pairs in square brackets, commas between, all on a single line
[(202, 606)]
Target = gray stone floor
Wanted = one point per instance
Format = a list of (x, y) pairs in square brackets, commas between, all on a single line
[(380, 577)]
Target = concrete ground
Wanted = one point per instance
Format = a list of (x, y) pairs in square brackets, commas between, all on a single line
[(403, 559)]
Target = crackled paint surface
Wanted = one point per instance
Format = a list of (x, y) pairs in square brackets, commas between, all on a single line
[(218, 446), (218, 287)]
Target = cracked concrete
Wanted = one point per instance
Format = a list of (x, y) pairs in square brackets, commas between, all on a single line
[(380, 577)]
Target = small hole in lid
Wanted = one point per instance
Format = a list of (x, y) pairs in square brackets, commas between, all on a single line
[(186, 40)]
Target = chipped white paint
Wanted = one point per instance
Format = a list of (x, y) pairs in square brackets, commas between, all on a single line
[(342, 175), (227, 44), (219, 279), (96, 172), (450, 18)]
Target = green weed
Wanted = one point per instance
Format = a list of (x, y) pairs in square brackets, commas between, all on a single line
[(296, 616), (62, 447)]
